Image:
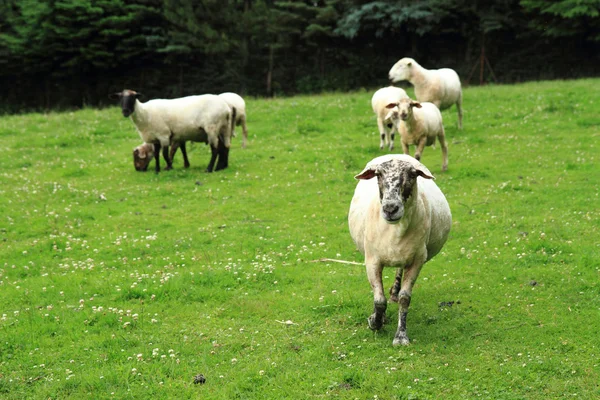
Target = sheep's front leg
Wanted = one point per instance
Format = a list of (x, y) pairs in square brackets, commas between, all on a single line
[(395, 289), (420, 147), (157, 157), (392, 136), (408, 280), (186, 162), (213, 157), (375, 320), (167, 159), (223, 156), (404, 147)]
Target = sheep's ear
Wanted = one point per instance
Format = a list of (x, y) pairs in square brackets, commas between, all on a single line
[(415, 104), (114, 96), (409, 63), (138, 95), (424, 174), (139, 154), (391, 105), (367, 173)]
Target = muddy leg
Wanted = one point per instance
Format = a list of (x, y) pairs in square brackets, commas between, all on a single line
[(376, 319)]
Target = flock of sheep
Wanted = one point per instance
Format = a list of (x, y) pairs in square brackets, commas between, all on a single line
[(401, 219)]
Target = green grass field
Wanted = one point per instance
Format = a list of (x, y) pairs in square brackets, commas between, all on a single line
[(119, 284)]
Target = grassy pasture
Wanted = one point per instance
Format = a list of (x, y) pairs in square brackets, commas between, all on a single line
[(119, 284)]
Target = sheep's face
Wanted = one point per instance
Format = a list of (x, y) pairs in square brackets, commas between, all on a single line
[(397, 181), (127, 100), (405, 108), (142, 156), (401, 71)]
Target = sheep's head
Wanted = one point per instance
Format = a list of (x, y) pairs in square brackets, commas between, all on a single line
[(142, 156), (401, 71), (397, 179), (405, 108), (127, 99)]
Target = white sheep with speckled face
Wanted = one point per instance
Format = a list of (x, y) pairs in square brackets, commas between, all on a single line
[(439, 86), (399, 219), (387, 117)]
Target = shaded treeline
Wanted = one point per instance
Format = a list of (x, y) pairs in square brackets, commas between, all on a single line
[(70, 53)]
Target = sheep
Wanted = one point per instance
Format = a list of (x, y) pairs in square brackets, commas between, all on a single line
[(401, 219), (420, 124), (438, 86), (385, 118), (160, 122), (237, 102)]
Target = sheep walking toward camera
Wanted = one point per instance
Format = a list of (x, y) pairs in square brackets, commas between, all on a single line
[(387, 118), (439, 86), (161, 122), (236, 102), (400, 219), (420, 124)]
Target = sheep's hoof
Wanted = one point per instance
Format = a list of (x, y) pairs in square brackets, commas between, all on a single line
[(401, 341), (168, 168), (375, 323)]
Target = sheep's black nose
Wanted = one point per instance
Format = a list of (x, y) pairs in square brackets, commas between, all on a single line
[(390, 209)]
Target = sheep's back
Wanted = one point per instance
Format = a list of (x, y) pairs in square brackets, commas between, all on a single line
[(450, 87), (187, 116), (385, 96)]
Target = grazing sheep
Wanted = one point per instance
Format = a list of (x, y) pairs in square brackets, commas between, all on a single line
[(160, 122), (143, 153), (236, 102), (386, 118), (401, 219), (438, 86), (420, 124)]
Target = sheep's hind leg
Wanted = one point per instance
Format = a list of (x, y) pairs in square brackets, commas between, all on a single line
[(186, 162), (223, 156), (442, 139), (168, 160), (376, 319), (157, 157), (214, 153)]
